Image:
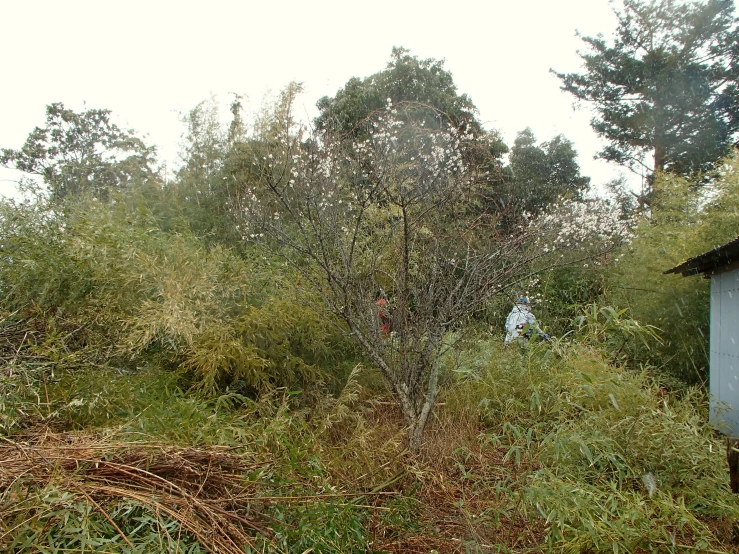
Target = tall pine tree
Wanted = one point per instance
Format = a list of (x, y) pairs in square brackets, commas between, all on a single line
[(666, 87)]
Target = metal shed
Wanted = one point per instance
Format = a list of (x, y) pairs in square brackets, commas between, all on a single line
[(721, 265)]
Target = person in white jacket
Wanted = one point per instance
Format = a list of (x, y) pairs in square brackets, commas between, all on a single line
[(521, 323)]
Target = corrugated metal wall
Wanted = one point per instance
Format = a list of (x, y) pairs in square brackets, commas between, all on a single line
[(724, 373)]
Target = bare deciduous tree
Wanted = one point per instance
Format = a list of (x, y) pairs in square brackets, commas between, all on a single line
[(388, 216)]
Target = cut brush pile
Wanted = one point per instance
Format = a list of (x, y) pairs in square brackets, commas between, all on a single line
[(204, 491)]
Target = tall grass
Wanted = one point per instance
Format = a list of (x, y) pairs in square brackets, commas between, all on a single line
[(547, 446), (608, 459)]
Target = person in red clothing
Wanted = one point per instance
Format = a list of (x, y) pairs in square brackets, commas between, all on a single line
[(383, 313)]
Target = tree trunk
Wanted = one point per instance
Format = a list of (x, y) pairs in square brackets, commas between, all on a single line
[(417, 427), (415, 436), (415, 433), (659, 158)]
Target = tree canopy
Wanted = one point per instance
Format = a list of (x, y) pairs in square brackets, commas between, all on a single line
[(666, 86), (405, 79), (82, 152), (544, 173)]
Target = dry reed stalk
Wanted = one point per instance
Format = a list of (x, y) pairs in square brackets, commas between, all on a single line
[(190, 485), (203, 489)]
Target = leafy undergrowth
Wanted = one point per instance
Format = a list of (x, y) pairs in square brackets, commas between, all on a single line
[(540, 449), (572, 455)]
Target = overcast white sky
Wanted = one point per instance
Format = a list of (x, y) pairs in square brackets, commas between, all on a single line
[(148, 61)]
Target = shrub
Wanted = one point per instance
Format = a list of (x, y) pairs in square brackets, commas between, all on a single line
[(607, 458), (114, 284)]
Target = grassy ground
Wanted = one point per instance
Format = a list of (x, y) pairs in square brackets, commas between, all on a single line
[(540, 449)]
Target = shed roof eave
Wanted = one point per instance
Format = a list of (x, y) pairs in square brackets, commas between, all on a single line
[(710, 261)]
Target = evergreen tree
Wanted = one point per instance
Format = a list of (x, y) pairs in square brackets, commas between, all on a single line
[(666, 86), (425, 83), (541, 174)]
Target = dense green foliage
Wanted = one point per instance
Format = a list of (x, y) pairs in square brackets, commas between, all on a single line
[(131, 294), (542, 174), (535, 177), (604, 455), (424, 83), (85, 152), (685, 222)]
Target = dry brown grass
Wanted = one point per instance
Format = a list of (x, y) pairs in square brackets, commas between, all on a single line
[(204, 490), (448, 502)]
